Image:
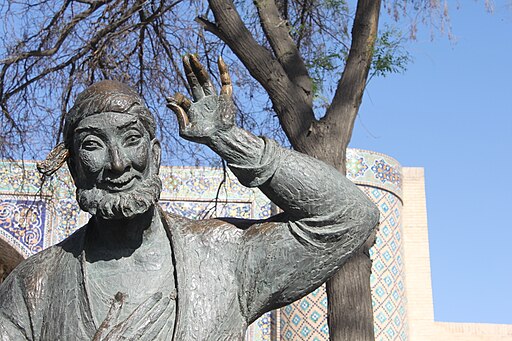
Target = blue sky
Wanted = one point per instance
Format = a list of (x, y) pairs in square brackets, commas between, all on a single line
[(451, 113)]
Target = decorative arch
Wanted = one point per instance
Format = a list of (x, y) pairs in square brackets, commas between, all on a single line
[(9, 258)]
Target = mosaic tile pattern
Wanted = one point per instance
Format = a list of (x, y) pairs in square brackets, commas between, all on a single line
[(19, 178), (29, 222), (203, 184), (387, 279), (22, 224), (205, 210), (261, 330), (66, 221), (306, 319), (374, 169)]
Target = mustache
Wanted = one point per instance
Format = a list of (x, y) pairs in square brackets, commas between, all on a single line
[(118, 180)]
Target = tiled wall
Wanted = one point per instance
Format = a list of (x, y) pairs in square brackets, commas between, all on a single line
[(34, 216)]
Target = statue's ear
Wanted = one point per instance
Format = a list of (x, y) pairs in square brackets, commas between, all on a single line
[(156, 153), (71, 167)]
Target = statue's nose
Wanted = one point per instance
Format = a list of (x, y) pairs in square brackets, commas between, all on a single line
[(118, 162)]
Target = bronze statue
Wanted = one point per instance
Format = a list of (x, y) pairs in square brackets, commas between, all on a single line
[(135, 272)]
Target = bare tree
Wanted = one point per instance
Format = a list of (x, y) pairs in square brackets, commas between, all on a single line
[(298, 66), (53, 49)]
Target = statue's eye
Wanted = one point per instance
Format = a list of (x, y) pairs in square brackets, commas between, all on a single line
[(90, 144), (133, 139)]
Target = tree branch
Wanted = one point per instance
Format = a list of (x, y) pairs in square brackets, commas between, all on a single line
[(86, 47), (167, 49), (65, 33), (277, 31), (347, 99), (142, 17), (66, 96)]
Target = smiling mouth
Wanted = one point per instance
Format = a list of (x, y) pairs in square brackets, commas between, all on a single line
[(119, 184)]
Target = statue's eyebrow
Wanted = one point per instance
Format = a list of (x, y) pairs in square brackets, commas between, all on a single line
[(98, 131), (88, 129), (128, 124)]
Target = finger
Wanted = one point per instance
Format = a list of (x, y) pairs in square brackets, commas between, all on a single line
[(182, 101), (181, 115), (193, 82), (202, 76), (135, 318), (143, 327), (227, 87), (112, 316)]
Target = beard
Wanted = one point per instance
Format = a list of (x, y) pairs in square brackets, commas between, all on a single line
[(121, 205)]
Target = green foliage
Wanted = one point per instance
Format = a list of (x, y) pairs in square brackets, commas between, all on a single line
[(327, 64), (389, 55)]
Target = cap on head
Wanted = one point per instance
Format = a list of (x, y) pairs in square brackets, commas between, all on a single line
[(107, 96)]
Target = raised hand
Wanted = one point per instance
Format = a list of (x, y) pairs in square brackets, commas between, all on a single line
[(209, 113)]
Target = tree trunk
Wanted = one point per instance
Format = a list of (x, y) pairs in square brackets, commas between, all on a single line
[(350, 313)]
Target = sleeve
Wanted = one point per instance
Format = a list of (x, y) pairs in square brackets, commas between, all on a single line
[(14, 315), (326, 218)]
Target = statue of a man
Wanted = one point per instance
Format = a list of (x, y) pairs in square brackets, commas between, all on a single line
[(135, 272)]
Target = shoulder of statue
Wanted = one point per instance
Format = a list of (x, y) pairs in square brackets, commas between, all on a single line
[(36, 269), (179, 223), (71, 246)]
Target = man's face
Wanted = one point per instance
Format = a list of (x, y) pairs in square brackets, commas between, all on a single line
[(114, 159)]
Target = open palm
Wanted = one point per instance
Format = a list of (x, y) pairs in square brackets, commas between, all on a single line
[(209, 113)]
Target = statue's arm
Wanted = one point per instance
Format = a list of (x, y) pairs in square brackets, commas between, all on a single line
[(325, 219)]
